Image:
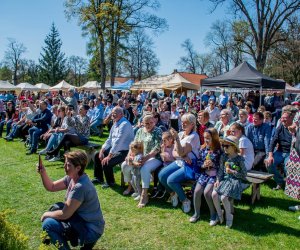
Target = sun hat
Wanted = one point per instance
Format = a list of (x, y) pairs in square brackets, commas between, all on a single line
[(232, 140), (296, 103)]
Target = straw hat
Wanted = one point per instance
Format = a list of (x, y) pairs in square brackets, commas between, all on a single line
[(232, 140)]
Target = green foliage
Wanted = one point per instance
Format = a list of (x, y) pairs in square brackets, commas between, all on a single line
[(11, 237), (52, 62)]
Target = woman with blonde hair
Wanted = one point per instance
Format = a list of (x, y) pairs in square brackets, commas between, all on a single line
[(187, 145)]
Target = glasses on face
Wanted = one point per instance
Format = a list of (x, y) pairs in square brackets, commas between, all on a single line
[(226, 145), (181, 112)]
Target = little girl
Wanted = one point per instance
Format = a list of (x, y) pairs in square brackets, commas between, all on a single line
[(229, 179), (167, 157), (210, 153), (135, 155), (167, 148)]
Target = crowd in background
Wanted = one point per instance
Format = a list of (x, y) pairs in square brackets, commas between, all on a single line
[(156, 136)]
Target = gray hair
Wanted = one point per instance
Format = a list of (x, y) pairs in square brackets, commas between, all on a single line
[(243, 111), (190, 118)]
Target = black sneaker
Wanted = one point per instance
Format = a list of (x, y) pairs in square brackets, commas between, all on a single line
[(161, 194)]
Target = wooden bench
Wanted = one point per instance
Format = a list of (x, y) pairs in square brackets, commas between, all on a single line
[(256, 178), (253, 177)]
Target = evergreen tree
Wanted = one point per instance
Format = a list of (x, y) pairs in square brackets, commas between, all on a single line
[(52, 61)]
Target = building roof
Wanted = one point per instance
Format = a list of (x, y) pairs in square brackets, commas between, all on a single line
[(193, 78)]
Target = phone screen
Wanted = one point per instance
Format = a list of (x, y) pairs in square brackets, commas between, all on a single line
[(40, 162)]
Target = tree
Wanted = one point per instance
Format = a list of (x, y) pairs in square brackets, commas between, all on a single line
[(52, 62), (190, 62), (13, 57), (284, 60), (139, 60), (264, 19), (111, 21), (77, 67), (5, 73)]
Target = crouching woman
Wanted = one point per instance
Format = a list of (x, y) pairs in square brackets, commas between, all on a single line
[(81, 211)]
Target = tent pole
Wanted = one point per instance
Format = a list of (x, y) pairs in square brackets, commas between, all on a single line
[(200, 96), (260, 94)]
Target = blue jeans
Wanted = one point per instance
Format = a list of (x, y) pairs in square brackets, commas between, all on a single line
[(8, 126), (55, 231), (94, 125), (279, 157), (171, 178), (54, 140), (34, 134)]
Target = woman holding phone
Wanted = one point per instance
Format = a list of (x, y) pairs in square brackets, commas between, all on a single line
[(81, 208)]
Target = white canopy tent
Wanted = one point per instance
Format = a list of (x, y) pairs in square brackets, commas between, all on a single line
[(150, 83), (91, 85), (43, 86), (7, 86), (27, 86), (179, 82), (63, 85), (291, 90)]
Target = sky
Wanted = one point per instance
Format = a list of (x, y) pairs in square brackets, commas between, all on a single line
[(29, 22)]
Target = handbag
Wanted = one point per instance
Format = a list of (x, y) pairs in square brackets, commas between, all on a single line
[(191, 170), (297, 142)]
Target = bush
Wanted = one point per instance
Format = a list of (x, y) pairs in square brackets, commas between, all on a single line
[(11, 237)]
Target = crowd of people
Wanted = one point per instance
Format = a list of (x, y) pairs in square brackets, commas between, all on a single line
[(169, 140)]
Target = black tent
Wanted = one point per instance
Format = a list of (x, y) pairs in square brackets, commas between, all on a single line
[(243, 76)]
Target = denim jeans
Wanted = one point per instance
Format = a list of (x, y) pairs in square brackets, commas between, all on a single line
[(279, 157), (171, 178), (34, 134), (94, 126), (55, 231), (8, 126), (53, 141)]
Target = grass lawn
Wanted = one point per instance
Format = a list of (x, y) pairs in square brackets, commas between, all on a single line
[(267, 225)]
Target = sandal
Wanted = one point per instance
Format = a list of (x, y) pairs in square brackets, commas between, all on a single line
[(143, 201), (127, 191)]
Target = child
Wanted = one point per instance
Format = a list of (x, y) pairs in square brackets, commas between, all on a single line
[(228, 185), (136, 154), (167, 157), (209, 162)]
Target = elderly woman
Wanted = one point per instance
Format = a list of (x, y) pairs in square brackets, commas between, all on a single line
[(81, 209), (187, 144), (223, 125), (243, 118), (151, 136)]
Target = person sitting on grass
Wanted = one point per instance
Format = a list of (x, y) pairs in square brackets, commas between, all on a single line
[(210, 153), (230, 174), (81, 209)]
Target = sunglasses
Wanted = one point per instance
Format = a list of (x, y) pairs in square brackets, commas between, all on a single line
[(226, 145)]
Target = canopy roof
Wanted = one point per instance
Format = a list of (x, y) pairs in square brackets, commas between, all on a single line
[(243, 76), (172, 82), (91, 85), (27, 86), (42, 86), (291, 90), (123, 86), (6, 86), (63, 85)]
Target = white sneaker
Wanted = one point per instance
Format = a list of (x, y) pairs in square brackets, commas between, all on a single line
[(137, 198), (174, 200), (186, 206), (135, 195), (43, 152), (55, 158)]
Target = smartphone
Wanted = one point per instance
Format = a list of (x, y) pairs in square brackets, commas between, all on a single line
[(60, 92), (40, 163)]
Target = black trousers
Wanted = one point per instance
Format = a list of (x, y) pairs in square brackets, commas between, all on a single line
[(108, 168)]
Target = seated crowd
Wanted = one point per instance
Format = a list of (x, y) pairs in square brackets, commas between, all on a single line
[(161, 139)]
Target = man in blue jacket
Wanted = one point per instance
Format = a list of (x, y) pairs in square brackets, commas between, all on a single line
[(41, 123)]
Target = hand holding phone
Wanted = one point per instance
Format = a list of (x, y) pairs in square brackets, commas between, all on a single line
[(40, 164), (60, 92)]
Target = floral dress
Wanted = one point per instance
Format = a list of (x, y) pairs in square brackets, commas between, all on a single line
[(208, 176), (292, 187), (230, 184)]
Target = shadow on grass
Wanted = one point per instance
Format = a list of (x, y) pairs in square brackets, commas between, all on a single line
[(257, 224)]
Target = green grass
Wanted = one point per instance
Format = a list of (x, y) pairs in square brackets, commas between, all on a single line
[(267, 225)]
